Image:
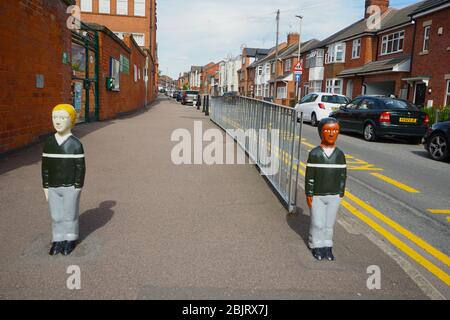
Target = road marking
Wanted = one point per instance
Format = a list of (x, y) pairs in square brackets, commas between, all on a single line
[(439, 273), (439, 211), (395, 183), (418, 241), (448, 219)]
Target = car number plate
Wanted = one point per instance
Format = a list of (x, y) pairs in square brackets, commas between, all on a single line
[(334, 108), (408, 120)]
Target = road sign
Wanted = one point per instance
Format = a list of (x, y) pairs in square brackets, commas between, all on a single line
[(298, 67), (298, 77)]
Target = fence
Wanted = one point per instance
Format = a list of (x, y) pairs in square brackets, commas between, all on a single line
[(271, 136), (438, 114)]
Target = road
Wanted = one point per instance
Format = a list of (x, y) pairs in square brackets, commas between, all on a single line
[(405, 192)]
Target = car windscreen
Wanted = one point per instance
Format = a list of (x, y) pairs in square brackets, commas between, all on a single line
[(334, 99), (398, 104), (192, 92)]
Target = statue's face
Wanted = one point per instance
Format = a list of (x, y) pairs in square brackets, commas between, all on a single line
[(61, 121), (330, 132)]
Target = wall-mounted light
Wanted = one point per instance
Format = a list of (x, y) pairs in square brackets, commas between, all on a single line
[(429, 90)]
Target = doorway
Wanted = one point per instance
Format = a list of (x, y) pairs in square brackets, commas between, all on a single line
[(419, 94), (84, 86)]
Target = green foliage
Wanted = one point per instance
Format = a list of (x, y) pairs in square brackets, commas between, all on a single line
[(442, 114), (185, 86)]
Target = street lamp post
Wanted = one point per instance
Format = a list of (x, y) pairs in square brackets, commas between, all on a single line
[(298, 55)]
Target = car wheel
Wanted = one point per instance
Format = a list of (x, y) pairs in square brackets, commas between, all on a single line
[(314, 122), (369, 132), (438, 147)]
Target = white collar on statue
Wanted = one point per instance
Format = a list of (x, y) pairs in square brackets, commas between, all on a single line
[(61, 139)]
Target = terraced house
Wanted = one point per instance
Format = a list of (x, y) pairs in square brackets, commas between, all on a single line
[(379, 58)]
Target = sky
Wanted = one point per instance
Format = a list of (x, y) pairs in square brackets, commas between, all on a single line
[(196, 32)]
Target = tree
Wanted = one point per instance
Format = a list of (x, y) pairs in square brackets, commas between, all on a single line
[(185, 86)]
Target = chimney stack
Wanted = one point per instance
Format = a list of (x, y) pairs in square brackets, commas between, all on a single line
[(383, 4), (292, 38)]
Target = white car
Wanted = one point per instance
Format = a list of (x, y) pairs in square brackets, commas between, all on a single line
[(318, 105)]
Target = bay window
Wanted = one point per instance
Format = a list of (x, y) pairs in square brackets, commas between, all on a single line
[(336, 53), (334, 86), (392, 43)]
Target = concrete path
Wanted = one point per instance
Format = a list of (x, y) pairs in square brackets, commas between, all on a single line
[(154, 230)]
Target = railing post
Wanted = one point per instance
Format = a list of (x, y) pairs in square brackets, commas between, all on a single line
[(207, 106), (204, 102)]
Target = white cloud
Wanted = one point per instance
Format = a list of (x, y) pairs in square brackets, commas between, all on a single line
[(197, 32)]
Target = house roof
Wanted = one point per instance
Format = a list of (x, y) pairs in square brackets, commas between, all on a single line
[(196, 68), (390, 19), (429, 5), (270, 55), (256, 52), (399, 64), (292, 51)]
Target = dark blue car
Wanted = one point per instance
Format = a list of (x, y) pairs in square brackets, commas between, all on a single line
[(375, 117), (437, 141)]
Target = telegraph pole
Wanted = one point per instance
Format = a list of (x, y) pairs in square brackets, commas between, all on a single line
[(298, 55), (276, 54)]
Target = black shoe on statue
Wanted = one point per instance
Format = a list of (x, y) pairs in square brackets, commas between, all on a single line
[(69, 246), (56, 248), (317, 253), (329, 254)]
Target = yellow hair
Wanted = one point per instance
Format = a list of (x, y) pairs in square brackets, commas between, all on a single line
[(69, 109)]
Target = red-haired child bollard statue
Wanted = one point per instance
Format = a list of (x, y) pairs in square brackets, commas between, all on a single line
[(326, 174), (63, 171)]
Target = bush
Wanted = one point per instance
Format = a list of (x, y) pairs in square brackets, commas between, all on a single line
[(443, 114)]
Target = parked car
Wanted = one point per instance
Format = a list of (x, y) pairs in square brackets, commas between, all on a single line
[(437, 141), (189, 97), (180, 95), (175, 94), (318, 105), (376, 117)]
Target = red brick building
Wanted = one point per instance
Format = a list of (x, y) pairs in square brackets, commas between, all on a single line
[(385, 59), (125, 17), (249, 56), (208, 73), (52, 64), (429, 81)]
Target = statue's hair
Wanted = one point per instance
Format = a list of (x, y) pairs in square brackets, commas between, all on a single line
[(69, 109), (325, 121)]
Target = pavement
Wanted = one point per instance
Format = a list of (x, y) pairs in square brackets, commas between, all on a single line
[(151, 229)]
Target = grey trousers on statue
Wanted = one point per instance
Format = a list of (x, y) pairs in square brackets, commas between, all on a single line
[(323, 216), (64, 204)]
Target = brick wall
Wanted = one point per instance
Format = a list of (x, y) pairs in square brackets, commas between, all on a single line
[(132, 94), (34, 36), (436, 63)]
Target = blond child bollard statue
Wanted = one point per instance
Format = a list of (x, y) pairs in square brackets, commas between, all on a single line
[(63, 171)]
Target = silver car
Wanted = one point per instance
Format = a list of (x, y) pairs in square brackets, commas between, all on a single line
[(190, 97)]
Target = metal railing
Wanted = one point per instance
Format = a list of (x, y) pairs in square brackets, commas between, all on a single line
[(272, 139)]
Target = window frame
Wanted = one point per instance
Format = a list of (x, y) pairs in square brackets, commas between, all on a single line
[(283, 91), (135, 6), (260, 70), (389, 40), (447, 93), (356, 49), (84, 5), (287, 65), (333, 86), (334, 50), (426, 38), (117, 7), (100, 2)]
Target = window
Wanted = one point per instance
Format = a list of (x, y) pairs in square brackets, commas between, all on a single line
[(114, 74), (268, 68), (393, 42), (273, 67), (334, 99), (258, 90), (336, 53), (334, 86), (287, 65), (104, 6), (139, 38), (356, 49), (281, 92), (122, 7), (86, 5), (260, 70), (139, 8), (314, 59), (266, 90), (135, 73), (447, 97), (316, 86), (426, 38)]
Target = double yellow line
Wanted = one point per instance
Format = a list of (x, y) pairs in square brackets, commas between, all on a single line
[(413, 254)]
